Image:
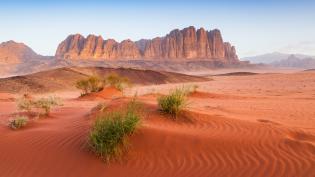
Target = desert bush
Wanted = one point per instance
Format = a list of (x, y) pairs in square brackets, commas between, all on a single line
[(189, 89), (83, 85), (174, 102), (91, 84), (109, 134), (46, 104), (117, 81), (24, 104), (96, 84), (18, 122)]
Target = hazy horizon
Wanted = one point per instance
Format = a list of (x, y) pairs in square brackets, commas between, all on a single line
[(253, 27)]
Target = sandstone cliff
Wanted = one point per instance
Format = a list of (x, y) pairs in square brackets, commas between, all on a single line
[(188, 43)]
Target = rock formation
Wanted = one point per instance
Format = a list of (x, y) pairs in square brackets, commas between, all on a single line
[(13, 53), (188, 43)]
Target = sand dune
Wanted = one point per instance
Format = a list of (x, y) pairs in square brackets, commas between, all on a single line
[(64, 79), (230, 130)]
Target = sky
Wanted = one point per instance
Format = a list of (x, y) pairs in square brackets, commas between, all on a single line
[(254, 27)]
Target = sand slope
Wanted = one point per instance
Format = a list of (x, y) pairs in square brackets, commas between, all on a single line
[(64, 79), (206, 145)]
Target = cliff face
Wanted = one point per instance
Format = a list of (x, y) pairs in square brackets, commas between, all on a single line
[(94, 47), (13, 53), (188, 43)]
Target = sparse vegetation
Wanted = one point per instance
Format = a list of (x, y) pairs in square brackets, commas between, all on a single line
[(24, 104), (96, 84), (109, 134), (84, 86), (46, 104), (173, 103), (18, 122), (91, 84), (189, 89), (28, 104), (117, 81)]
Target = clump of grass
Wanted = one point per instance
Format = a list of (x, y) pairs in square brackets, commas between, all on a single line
[(91, 84), (18, 122), (96, 83), (117, 81), (174, 102), (110, 132), (190, 89), (24, 104), (46, 104)]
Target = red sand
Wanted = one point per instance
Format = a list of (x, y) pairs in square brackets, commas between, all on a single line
[(7, 97), (232, 131)]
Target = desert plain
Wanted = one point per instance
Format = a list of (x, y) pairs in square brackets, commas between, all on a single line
[(239, 124)]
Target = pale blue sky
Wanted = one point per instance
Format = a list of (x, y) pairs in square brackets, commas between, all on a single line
[(253, 27)]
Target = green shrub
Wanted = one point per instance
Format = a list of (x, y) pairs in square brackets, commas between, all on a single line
[(109, 134), (46, 104), (117, 81), (96, 84), (91, 84), (174, 102), (24, 104), (18, 122), (83, 85)]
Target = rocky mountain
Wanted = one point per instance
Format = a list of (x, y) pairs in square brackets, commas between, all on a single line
[(270, 58), (188, 43), (13, 53), (294, 61)]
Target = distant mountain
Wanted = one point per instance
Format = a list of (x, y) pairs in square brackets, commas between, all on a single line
[(14, 53), (188, 43), (273, 57), (294, 61)]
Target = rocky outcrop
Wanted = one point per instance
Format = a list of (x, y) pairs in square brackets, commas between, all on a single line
[(94, 47), (13, 53), (188, 43), (230, 53)]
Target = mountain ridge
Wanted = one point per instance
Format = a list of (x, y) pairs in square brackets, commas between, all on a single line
[(294, 61), (187, 43), (270, 58)]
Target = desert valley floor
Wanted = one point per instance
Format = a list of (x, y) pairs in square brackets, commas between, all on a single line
[(234, 125)]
